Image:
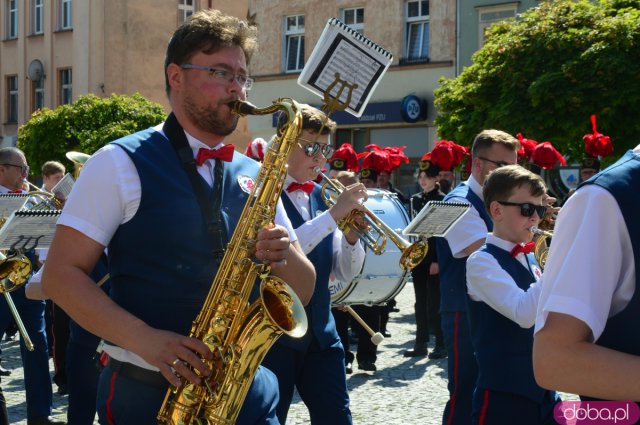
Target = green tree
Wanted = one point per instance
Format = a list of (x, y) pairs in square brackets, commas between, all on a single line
[(85, 126), (546, 72)]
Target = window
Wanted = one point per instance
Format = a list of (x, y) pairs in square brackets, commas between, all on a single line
[(65, 14), (294, 43), (491, 14), (354, 18), (12, 19), (37, 100), (417, 35), (12, 99), (185, 9), (65, 86), (37, 16)]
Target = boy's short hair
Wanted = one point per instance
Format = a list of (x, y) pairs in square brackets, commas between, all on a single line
[(50, 168), (503, 181), (487, 138), (312, 120)]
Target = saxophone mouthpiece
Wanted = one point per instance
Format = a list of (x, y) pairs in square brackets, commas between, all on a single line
[(242, 108)]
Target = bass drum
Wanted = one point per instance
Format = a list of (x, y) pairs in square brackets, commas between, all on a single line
[(381, 277)]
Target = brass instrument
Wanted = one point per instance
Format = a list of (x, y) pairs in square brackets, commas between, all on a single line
[(78, 159), (40, 200), (541, 248), (378, 232), (238, 334), (14, 272)]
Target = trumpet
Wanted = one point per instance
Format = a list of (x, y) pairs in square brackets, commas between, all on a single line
[(541, 248), (14, 272), (376, 233)]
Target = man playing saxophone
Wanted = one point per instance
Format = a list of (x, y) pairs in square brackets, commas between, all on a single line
[(165, 219)]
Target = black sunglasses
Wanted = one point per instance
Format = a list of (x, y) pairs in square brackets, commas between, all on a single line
[(527, 209), (496, 163), (312, 148)]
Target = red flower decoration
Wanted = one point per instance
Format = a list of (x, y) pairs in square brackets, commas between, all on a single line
[(447, 154), (597, 144), (349, 155), (526, 147), (546, 156)]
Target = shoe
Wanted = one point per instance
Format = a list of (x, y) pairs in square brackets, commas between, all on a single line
[(44, 420), (63, 389), (416, 352), (349, 368), (370, 366), (4, 372), (439, 352), (385, 333)]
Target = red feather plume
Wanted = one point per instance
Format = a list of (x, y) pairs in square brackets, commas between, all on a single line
[(597, 144)]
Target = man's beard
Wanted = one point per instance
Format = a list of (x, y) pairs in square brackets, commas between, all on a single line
[(207, 119)]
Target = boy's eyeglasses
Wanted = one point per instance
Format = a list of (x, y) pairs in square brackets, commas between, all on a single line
[(311, 149), (496, 163), (527, 209), (222, 74)]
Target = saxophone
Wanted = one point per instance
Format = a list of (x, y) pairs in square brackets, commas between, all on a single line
[(239, 334)]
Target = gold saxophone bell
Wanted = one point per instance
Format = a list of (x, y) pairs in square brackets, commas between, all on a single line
[(78, 159), (541, 248), (378, 232)]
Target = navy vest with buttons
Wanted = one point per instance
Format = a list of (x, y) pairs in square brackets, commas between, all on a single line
[(453, 271), (161, 261), (504, 349), (321, 323), (622, 180)]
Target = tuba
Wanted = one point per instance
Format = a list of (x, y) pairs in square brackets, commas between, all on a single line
[(541, 248), (239, 334), (78, 159), (377, 233)]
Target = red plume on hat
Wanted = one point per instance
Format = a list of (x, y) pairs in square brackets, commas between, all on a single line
[(345, 158), (396, 157), (377, 159), (447, 154), (546, 156), (256, 149), (526, 147), (597, 144)]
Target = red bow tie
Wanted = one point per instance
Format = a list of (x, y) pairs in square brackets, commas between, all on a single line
[(525, 249), (305, 187), (16, 191), (225, 153)]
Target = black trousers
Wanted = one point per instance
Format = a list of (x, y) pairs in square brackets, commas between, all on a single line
[(427, 307), (343, 320), (367, 350)]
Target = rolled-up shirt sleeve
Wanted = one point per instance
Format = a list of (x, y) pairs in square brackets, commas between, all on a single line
[(347, 259)]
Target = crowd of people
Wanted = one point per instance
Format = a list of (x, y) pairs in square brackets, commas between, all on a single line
[(155, 210)]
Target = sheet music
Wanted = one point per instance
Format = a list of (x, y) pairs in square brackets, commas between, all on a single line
[(64, 186), (358, 61), (436, 218), (11, 202), (26, 230)]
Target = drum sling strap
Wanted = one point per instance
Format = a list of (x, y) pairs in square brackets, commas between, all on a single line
[(210, 207)]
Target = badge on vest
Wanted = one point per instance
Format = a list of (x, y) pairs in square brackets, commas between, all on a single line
[(246, 183), (536, 271)]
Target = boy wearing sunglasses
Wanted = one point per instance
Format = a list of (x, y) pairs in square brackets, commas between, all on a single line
[(315, 363), (502, 285)]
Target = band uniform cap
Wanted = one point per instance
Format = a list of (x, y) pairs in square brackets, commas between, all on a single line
[(368, 173), (431, 169), (590, 162)]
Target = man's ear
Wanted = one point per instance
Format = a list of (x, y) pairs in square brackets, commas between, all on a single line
[(174, 76)]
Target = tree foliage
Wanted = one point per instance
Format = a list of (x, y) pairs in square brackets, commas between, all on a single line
[(85, 126), (546, 72)]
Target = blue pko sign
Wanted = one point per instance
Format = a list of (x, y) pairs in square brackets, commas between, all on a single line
[(413, 109)]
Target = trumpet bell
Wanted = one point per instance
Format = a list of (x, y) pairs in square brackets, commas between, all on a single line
[(14, 272), (413, 255)]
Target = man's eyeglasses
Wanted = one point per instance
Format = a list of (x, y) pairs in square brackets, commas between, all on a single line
[(527, 209), (312, 148), (24, 169), (496, 163), (222, 74)]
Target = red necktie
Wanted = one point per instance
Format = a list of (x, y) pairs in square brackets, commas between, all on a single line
[(225, 153), (525, 249), (305, 187)]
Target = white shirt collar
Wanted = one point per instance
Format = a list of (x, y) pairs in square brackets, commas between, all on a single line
[(500, 243)]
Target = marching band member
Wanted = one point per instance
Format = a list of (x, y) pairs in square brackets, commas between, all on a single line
[(52, 173)]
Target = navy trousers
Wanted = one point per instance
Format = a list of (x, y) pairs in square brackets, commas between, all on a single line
[(37, 380), (125, 401), (320, 378), (462, 368), (82, 380), (500, 408)]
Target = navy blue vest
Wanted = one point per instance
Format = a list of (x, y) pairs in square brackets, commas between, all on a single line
[(622, 180), (504, 349), (160, 261), (321, 323), (453, 271)]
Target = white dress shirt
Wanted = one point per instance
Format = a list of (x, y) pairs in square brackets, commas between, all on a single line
[(590, 272), (347, 258), (488, 282), (470, 228)]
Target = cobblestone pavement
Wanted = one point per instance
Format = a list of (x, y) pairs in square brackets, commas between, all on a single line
[(402, 390)]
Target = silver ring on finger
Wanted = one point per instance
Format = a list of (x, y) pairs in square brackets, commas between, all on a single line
[(175, 362)]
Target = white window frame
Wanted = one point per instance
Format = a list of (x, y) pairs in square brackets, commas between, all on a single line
[(66, 17), (290, 33), (355, 25), (411, 21), (37, 16), (38, 94), (66, 85), (500, 9), (12, 98), (185, 10), (12, 19)]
